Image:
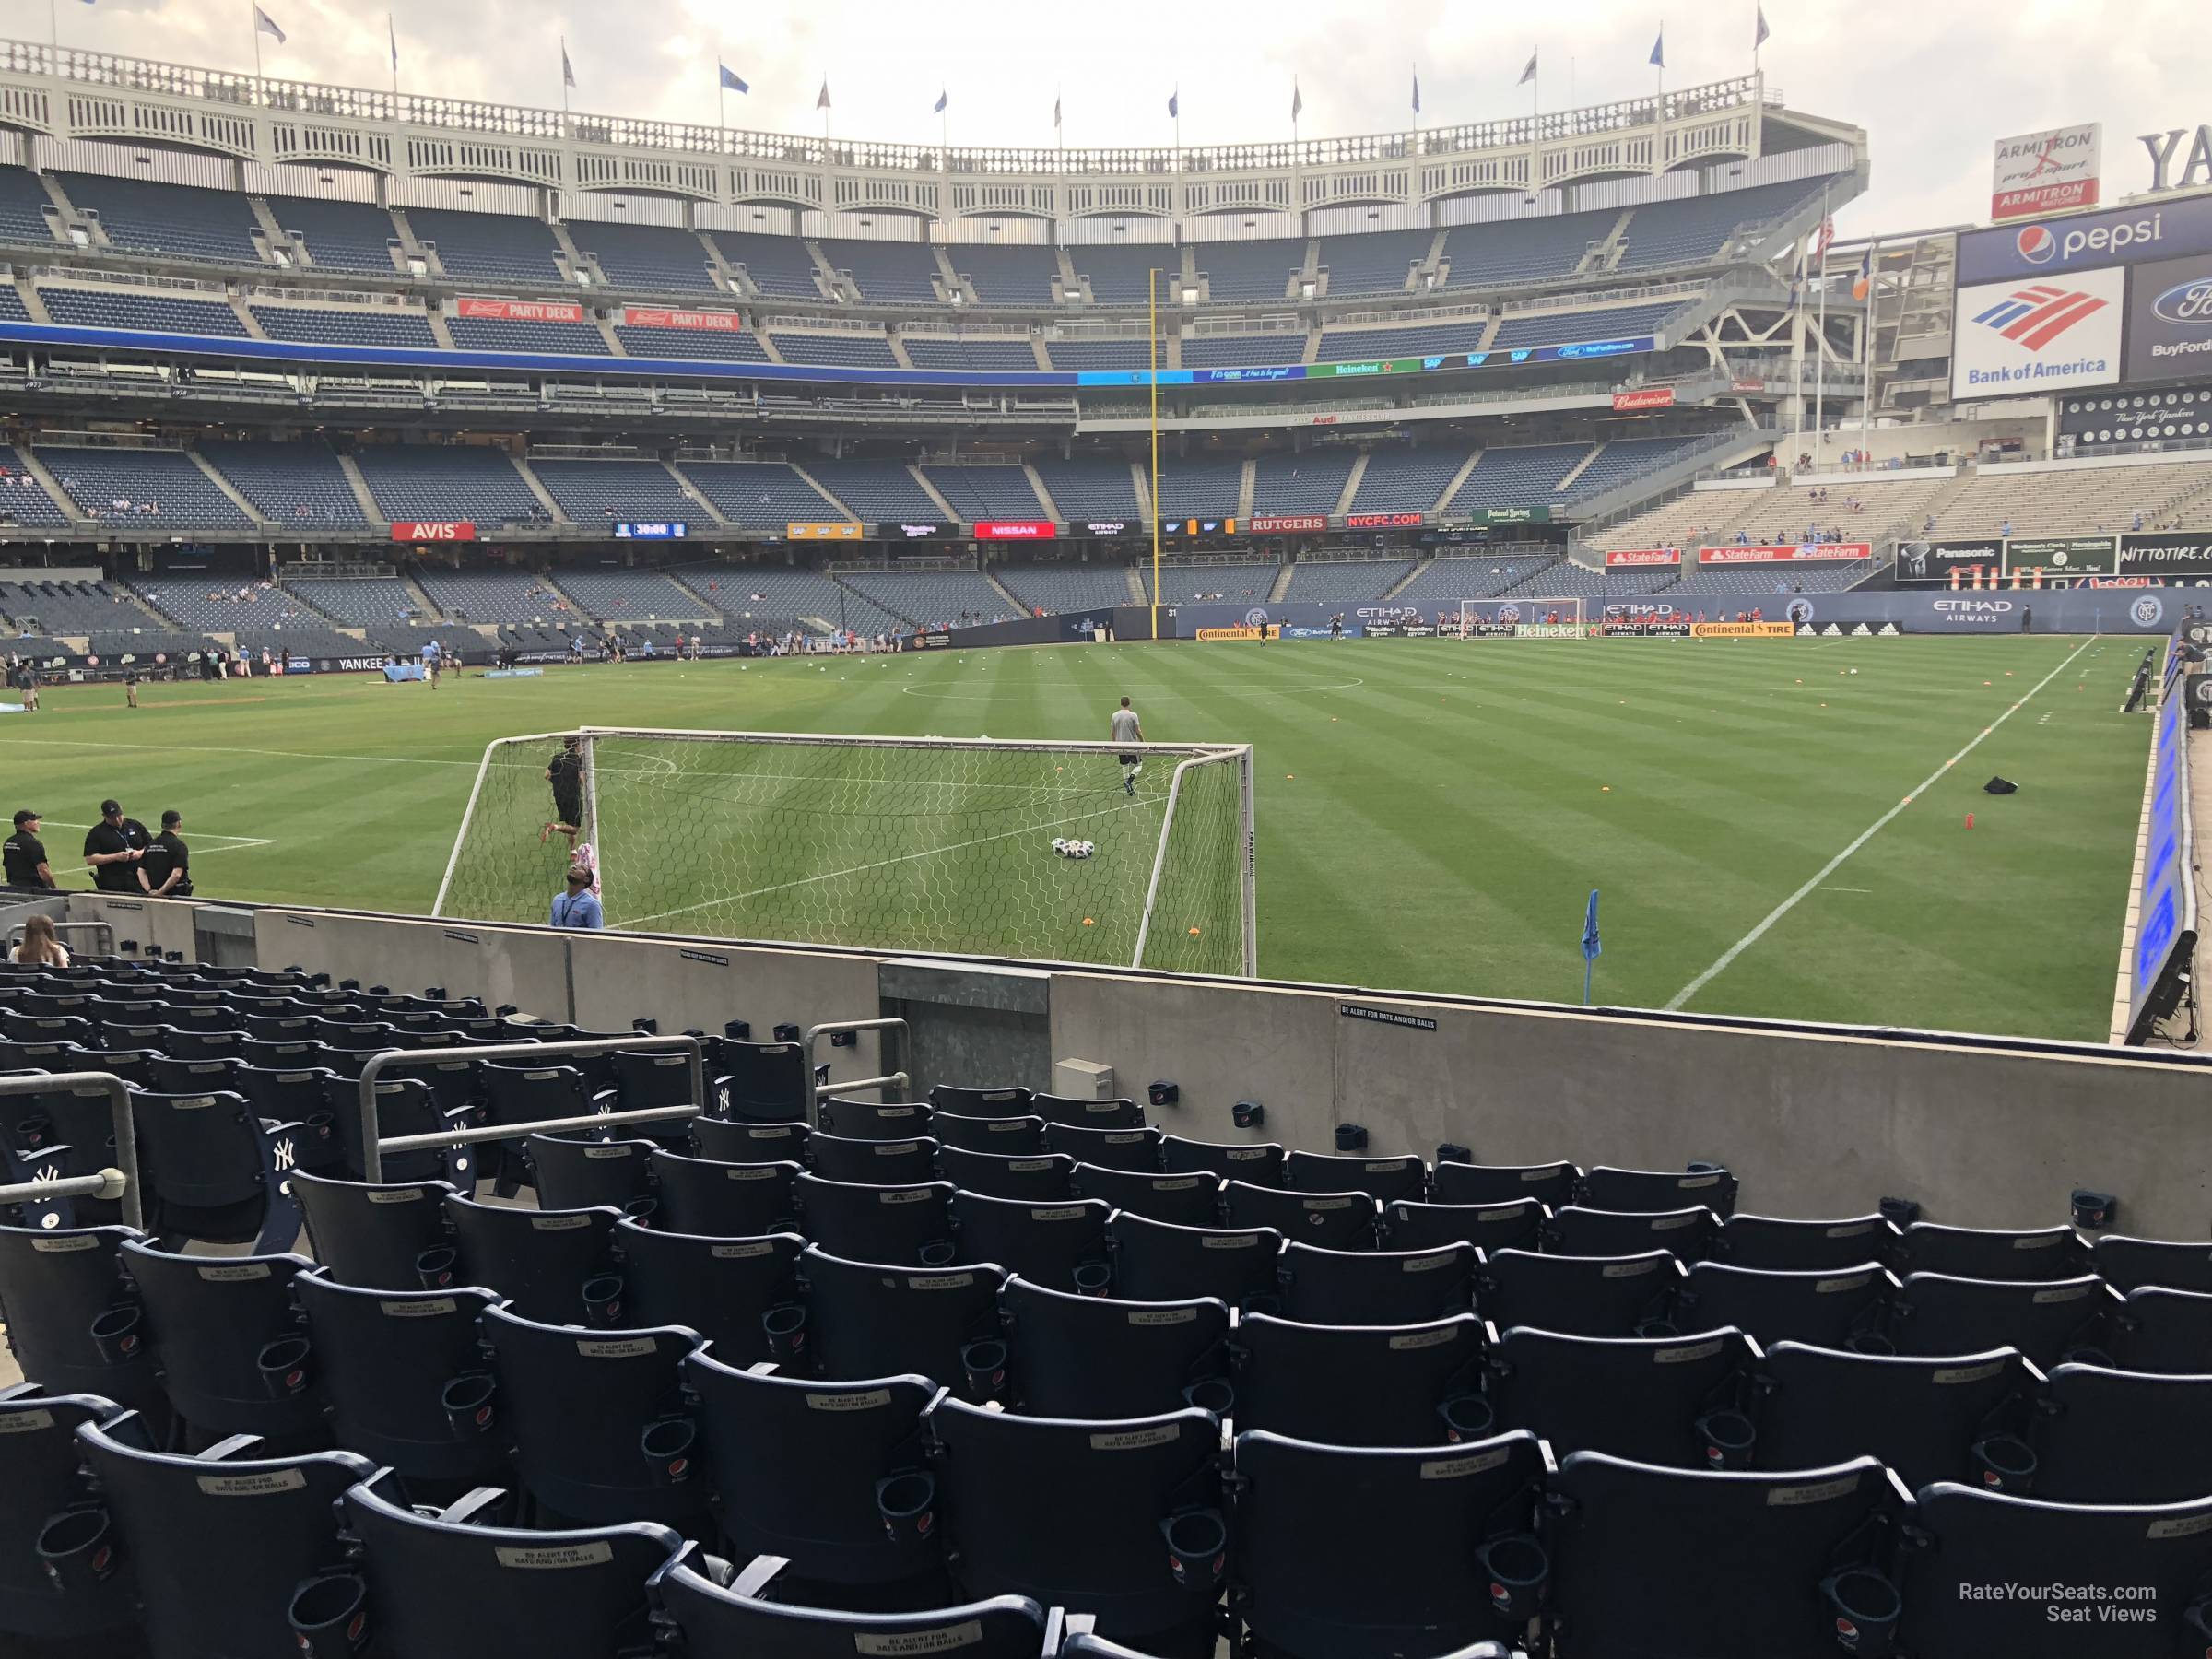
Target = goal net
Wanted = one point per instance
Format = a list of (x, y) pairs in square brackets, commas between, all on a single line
[(922, 843), (1533, 617)]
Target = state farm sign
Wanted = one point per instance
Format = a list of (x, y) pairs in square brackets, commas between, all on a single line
[(524, 310), (1283, 523), (1773, 555), (1645, 556), (429, 529), (1646, 397)]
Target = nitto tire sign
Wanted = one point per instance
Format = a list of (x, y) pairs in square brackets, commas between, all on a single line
[(2178, 553)]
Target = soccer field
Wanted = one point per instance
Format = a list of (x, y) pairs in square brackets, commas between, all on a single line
[(1431, 815)]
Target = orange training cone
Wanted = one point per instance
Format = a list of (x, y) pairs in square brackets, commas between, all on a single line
[(1970, 820)]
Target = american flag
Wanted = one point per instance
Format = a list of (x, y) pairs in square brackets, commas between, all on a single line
[(1827, 235)]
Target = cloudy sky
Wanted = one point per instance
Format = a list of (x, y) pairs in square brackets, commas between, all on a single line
[(1933, 84)]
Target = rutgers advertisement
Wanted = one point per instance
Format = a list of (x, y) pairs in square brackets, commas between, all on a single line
[(2037, 334), (1285, 524), (1775, 554), (1631, 558), (638, 316), (524, 310)]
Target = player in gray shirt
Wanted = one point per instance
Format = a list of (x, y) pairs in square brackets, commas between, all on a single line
[(1123, 727)]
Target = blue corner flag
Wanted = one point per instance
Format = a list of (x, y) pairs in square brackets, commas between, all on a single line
[(1592, 950), (1659, 51), (730, 80)]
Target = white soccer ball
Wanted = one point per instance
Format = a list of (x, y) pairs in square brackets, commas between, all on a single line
[(1059, 843), (1081, 849), (1854, 670)]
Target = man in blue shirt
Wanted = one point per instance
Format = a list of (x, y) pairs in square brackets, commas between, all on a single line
[(577, 906)]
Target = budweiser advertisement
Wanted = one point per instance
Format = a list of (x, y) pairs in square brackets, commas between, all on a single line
[(524, 310), (1283, 523), (1379, 520), (1015, 530), (1643, 555), (430, 530), (639, 316), (1644, 397), (1772, 555)]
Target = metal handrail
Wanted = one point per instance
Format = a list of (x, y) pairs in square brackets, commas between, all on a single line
[(102, 1185), (814, 1092), (373, 1147)]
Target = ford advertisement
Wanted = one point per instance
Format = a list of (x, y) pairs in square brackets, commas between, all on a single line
[(2169, 321)]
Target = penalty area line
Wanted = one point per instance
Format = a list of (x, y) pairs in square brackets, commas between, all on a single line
[(1832, 866)]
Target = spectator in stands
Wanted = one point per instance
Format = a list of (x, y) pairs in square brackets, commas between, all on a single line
[(2005, 528), (112, 853), (41, 945), (576, 906), (24, 855), (166, 870)]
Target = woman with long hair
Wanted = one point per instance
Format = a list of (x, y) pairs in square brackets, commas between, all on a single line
[(41, 944)]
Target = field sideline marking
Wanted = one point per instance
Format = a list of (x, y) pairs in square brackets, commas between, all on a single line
[(186, 748), (1833, 864), (239, 843)]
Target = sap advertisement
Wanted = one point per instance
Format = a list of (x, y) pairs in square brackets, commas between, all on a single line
[(2014, 339), (2169, 321)]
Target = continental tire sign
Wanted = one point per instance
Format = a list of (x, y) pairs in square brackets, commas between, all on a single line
[(1742, 631), (1210, 635)]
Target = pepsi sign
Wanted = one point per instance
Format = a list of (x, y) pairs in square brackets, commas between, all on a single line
[(2083, 242)]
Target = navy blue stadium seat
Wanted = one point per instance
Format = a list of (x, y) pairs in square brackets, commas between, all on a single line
[(1117, 1148), (1375, 1287), (1488, 1226), (376, 1236), (1041, 1178), (1684, 1233), (1676, 1401), (230, 1346), (873, 1162), (541, 1261), (886, 1224), (1182, 1200), (726, 1200), (1777, 1244), (1006, 1136), (1382, 1177), (2049, 1321), (1603, 1187), (1359, 1385), (2127, 1265), (2041, 1252), (873, 1120), (2123, 1437), (1829, 1309), (871, 1320), (73, 1317), (1332, 1220), (214, 1172), (48, 1506), (722, 1287), (767, 1082), (1061, 1245), (1552, 1185), (574, 1171), (1096, 1357), (734, 1142), (1259, 1165), (1081, 1113), (1581, 1295), (2163, 1330), (1007, 1101), (1956, 1418), (1159, 1261)]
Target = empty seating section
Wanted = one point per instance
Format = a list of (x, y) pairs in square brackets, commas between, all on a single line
[(1529, 249), (173, 219), (148, 487), (1249, 270), (777, 265), (930, 599), (22, 497), (350, 325), (66, 607), (508, 334), (1009, 275), (1378, 262), (876, 491), (339, 236), (765, 495), (218, 604), (1064, 589), (1245, 580), (11, 305), (1123, 276), (109, 308), (1092, 490), (1103, 354), (1519, 477), (1567, 577), (1625, 458), (986, 492), (2080, 501), (463, 483), (971, 351), (1812, 579), (1408, 480), (1694, 230), (25, 208), (666, 258), (886, 272), (834, 350), (297, 484), (616, 596), (1310, 482), (355, 601), (498, 247), (489, 595), (596, 492), (1345, 581), (1481, 577), (729, 345), (1554, 327), (1337, 345), (1238, 350), (1863, 507), (772, 600), (1199, 489)]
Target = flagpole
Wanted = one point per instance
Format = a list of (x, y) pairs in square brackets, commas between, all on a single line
[(1152, 308), (54, 25), (564, 75), (1866, 351), (254, 23), (1820, 356)]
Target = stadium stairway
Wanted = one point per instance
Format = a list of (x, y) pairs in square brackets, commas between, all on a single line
[(1567, 484), (36, 469), (1052, 508), (1400, 585), (693, 494), (424, 606), (1459, 480), (362, 499), (544, 496), (816, 484), (1281, 585), (1351, 485), (1246, 484), (1014, 606), (930, 491), (228, 488)]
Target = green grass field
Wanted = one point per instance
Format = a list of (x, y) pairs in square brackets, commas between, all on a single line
[(1432, 816)]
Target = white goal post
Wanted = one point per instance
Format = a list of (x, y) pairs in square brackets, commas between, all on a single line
[(1534, 611), (937, 844)]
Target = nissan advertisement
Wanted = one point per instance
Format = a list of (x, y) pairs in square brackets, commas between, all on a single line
[(2170, 320)]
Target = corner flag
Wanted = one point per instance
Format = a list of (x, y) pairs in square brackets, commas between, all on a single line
[(1592, 950)]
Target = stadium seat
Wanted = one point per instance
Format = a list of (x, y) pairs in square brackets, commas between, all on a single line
[(1488, 1226), (1331, 1221), (376, 1236), (220, 1543), (1677, 1562), (867, 1320), (2038, 1253), (1687, 1234), (74, 1322), (2157, 1557), (1681, 1402), (1382, 1177), (1775, 1244), (1552, 1185), (709, 1197), (437, 1582), (909, 1226), (722, 1287), (215, 1172), (1006, 1136), (573, 1171), (228, 1340), (2128, 1264), (1149, 1489), (2123, 1437), (766, 1083), (828, 1475), (1829, 1309), (1580, 1296), (48, 1506), (406, 1379), (1182, 1200), (601, 1430), (2167, 1331), (542, 1263), (1011, 1101), (1061, 1246), (1296, 1380), (1259, 1166), (2066, 1319), (1317, 1579), (1375, 1287), (1958, 1418), (750, 1142), (873, 1120), (1081, 1113), (739, 1622), (873, 1162), (1610, 1189), (1042, 1178), (1159, 1261), (1094, 1356), (1106, 1149)]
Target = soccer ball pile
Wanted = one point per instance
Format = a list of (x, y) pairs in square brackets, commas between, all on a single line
[(1072, 849)]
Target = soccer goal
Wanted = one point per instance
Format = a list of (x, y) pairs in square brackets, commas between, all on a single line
[(1561, 616), (936, 845)]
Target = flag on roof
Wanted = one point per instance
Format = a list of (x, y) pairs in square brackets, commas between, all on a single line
[(567, 70), (264, 24), (1862, 284), (938, 107), (1175, 104), (822, 99), (730, 80), (1659, 49), (1528, 73), (1417, 91), (1758, 35), (1298, 99)]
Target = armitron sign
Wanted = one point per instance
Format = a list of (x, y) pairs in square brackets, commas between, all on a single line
[(421, 530), (2049, 171)]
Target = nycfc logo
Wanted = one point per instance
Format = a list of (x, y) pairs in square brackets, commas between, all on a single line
[(2146, 610), (1255, 618), (1509, 613), (2036, 244), (1801, 610)]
